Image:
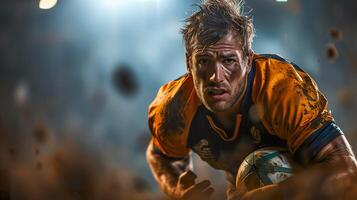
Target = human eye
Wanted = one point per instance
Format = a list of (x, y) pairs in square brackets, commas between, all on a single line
[(202, 61), (229, 61)]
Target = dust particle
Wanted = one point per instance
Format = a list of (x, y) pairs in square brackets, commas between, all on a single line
[(331, 52), (336, 34), (40, 132)]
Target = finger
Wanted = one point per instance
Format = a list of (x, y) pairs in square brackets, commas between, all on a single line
[(200, 186), (187, 179), (199, 194), (208, 192)]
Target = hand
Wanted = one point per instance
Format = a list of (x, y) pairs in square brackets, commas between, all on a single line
[(187, 189)]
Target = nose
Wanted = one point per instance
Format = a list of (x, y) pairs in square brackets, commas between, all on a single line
[(217, 75)]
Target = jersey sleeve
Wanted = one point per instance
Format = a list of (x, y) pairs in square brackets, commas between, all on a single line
[(293, 108), (170, 116)]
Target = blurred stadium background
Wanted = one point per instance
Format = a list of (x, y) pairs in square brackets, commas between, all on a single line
[(76, 81)]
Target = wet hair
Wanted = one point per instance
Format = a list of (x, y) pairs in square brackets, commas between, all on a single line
[(213, 20)]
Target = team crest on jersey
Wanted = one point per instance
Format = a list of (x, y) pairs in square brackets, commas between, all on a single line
[(256, 134), (203, 150)]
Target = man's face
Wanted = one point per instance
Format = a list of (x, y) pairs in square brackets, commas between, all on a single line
[(219, 72)]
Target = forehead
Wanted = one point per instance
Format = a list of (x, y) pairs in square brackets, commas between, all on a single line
[(229, 43)]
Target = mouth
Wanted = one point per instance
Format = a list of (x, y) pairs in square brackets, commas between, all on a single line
[(216, 93)]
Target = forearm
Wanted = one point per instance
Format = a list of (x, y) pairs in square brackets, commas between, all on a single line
[(337, 153), (164, 170), (273, 191), (334, 164)]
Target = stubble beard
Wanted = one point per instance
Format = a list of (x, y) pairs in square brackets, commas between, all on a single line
[(227, 105)]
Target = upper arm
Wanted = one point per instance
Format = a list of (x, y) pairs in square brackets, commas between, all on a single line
[(170, 116), (294, 109)]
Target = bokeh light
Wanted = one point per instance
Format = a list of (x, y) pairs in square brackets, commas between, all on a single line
[(47, 4)]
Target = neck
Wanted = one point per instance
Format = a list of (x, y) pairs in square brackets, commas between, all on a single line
[(228, 118)]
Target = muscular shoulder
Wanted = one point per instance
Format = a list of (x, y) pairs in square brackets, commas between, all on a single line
[(274, 73), (171, 113), (291, 100)]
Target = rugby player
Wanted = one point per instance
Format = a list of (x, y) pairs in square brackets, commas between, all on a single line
[(233, 101)]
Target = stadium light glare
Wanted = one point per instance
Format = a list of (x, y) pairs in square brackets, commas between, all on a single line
[(281, 0), (47, 4)]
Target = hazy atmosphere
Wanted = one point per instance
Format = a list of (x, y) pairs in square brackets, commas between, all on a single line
[(76, 81)]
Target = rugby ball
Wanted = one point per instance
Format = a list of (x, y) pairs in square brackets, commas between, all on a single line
[(264, 167)]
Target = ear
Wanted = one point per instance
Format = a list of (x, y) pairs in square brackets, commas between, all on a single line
[(188, 62), (250, 60)]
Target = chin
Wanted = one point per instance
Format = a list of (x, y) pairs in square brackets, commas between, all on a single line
[(217, 107)]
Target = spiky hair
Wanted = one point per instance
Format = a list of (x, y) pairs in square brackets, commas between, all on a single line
[(214, 19)]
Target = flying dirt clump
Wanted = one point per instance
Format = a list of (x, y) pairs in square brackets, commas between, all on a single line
[(125, 80)]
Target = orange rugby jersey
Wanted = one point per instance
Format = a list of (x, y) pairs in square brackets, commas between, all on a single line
[(282, 107)]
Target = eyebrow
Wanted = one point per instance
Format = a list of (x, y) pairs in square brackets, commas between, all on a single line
[(228, 55), (203, 54), (223, 54)]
